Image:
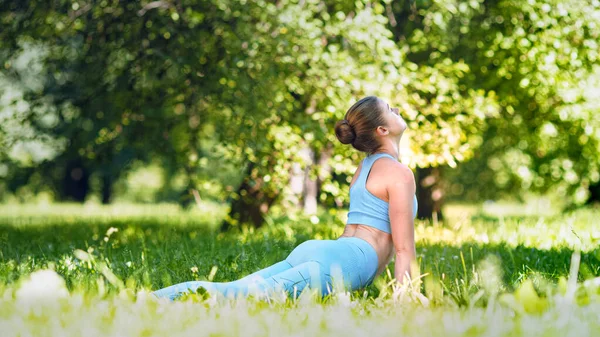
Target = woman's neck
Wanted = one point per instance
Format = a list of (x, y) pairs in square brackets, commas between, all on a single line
[(390, 146), (392, 152)]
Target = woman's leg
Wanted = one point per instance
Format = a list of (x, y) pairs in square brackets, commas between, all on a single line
[(267, 272), (296, 279), (352, 261), (293, 281), (238, 286)]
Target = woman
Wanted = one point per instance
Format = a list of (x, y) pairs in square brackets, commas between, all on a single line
[(379, 226)]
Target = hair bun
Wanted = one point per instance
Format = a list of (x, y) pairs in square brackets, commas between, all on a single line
[(344, 132)]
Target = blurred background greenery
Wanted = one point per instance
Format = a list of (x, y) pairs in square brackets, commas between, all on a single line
[(233, 102)]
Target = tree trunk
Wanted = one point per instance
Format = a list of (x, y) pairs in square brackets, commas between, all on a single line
[(106, 188), (310, 185), (250, 202), (594, 193), (324, 167), (429, 194), (75, 181), (297, 184)]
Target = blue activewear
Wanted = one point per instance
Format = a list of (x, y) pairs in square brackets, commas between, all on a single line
[(365, 208), (318, 264)]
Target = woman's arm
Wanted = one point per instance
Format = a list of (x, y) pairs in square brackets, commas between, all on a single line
[(401, 192)]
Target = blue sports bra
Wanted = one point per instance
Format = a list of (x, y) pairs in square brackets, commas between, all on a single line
[(366, 208)]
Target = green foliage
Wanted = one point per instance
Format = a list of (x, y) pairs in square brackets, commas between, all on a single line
[(250, 84), (539, 59)]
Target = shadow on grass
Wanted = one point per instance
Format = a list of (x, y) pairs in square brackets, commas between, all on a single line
[(516, 262)]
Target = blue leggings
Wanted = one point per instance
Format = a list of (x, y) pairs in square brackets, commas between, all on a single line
[(318, 264)]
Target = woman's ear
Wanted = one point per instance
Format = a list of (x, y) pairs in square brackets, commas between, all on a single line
[(382, 130)]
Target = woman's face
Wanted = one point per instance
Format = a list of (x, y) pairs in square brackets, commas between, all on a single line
[(395, 123)]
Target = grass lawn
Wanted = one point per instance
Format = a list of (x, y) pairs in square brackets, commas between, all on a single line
[(71, 270)]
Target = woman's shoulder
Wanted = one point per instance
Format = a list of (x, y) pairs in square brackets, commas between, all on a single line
[(397, 172), (395, 167)]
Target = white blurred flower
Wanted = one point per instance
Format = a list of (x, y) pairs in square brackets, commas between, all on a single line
[(595, 282), (344, 299), (111, 230), (490, 274), (42, 284)]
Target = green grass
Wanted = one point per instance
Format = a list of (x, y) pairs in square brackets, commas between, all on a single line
[(484, 274)]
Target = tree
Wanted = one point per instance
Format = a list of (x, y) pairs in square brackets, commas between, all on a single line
[(120, 74), (353, 50), (539, 60), (260, 84), (446, 114), (259, 74)]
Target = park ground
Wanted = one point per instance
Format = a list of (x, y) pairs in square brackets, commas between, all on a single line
[(490, 270)]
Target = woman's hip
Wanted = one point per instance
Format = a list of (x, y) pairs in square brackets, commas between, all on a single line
[(355, 258)]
